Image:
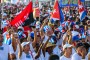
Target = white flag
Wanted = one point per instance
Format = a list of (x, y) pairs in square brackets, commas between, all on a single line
[(14, 1)]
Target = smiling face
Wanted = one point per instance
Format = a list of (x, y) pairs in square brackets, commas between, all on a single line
[(26, 48), (68, 50)]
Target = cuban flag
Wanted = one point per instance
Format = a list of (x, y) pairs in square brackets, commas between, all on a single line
[(7, 39), (57, 13), (4, 23), (82, 11)]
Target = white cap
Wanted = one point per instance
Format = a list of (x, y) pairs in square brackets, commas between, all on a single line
[(4, 14), (38, 24), (20, 27), (66, 46), (24, 43), (77, 27)]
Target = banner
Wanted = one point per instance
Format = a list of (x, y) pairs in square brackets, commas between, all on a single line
[(64, 3), (14, 1), (24, 18)]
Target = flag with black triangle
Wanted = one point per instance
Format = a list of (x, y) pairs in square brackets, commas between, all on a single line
[(25, 17)]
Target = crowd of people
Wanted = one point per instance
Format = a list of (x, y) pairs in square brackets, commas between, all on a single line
[(48, 39)]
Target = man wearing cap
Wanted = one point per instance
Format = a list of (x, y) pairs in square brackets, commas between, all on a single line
[(49, 50), (24, 52), (67, 49), (80, 52)]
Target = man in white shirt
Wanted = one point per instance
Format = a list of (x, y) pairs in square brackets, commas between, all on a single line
[(25, 53), (80, 52), (4, 50), (67, 49)]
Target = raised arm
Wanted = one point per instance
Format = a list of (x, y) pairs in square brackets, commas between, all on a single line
[(20, 49), (69, 37), (28, 38), (35, 38)]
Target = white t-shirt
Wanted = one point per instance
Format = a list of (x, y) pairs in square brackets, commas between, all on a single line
[(41, 57), (46, 55), (57, 51), (64, 58), (75, 56), (73, 51), (59, 42), (4, 51), (26, 57), (11, 50), (31, 47)]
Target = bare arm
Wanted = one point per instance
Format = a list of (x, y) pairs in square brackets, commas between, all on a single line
[(28, 38), (20, 49), (43, 48), (89, 56), (35, 38), (12, 56), (70, 39), (40, 48), (38, 53)]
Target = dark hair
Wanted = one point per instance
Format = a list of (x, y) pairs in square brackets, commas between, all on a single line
[(87, 45), (79, 45), (22, 40), (54, 57)]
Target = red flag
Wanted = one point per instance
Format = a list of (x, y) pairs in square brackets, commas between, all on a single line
[(20, 18), (56, 13)]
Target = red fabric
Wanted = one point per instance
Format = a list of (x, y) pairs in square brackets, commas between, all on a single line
[(56, 13), (26, 29), (20, 18)]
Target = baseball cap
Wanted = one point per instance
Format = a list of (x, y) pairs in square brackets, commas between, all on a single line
[(38, 24), (20, 27), (67, 46), (24, 43)]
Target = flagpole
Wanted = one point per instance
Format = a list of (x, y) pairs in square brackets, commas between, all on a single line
[(2, 12)]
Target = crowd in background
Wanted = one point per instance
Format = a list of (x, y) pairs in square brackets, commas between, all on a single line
[(48, 39)]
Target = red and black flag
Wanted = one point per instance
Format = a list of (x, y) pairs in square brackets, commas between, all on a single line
[(25, 17)]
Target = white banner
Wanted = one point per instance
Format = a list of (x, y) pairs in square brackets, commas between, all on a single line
[(14, 1)]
